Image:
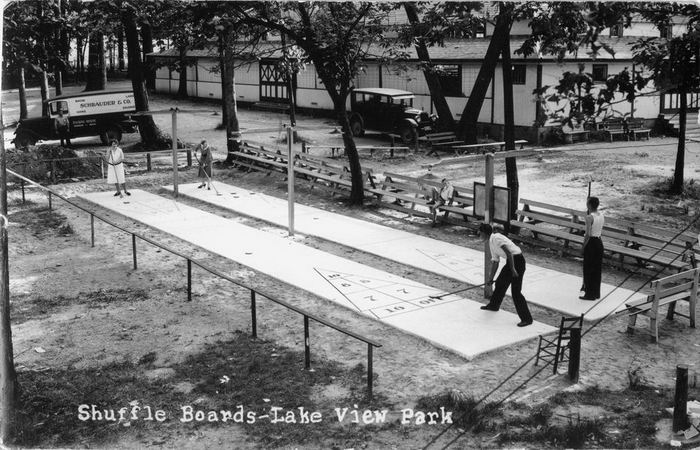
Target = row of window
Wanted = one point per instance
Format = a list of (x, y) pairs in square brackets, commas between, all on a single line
[(451, 77)]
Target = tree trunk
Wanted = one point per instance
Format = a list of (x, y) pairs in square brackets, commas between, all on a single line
[(466, 130), (230, 105), (677, 186), (120, 47), (58, 69), (182, 84), (8, 376), (23, 114), (357, 191), (151, 136), (224, 84), (80, 63), (509, 129), (147, 39), (44, 92), (96, 71), (445, 118)]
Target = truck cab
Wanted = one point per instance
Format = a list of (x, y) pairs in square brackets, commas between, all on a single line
[(96, 113)]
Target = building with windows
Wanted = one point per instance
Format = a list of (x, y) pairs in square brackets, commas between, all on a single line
[(459, 59)]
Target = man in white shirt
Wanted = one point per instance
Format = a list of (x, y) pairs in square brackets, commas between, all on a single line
[(511, 275), (439, 197)]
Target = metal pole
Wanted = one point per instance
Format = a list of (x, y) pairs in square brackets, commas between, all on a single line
[(189, 280), (174, 135), (133, 248), (574, 354), (680, 402), (307, 344), (369, 372), (290, 180), (92, 230), (488, 217), (254, 319)]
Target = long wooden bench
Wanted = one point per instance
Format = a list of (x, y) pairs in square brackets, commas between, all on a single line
[(636, 127), (575, 135), (257, 157), (484, 147), (682, 286), (615, 126), (339, 150), (623, 239), (441, 141)]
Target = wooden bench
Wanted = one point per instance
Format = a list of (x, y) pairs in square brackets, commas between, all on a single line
[(616, 126), (257, 157), (682, 286), (644, 244), (636, 127), (572, 136), (484, 146), (339, 150), (439, 141)]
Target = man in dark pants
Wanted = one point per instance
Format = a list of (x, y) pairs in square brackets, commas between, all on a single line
[(511, 275), (62, 128)]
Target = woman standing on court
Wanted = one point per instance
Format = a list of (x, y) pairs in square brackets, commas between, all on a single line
[(592, 251), (205, 162), (115, 168)]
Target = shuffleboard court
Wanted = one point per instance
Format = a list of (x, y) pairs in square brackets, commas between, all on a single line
[(452, 322), (547, 288)]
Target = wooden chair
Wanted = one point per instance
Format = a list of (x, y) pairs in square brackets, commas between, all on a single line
[(555, 349)]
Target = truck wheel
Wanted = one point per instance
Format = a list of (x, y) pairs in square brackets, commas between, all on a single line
[(109, 134), (22, 141), (356, 126), (406, 134)]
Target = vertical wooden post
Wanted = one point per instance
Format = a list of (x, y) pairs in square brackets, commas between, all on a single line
[(680, 401), (53, 171), (290, 180), (303, 147), (133, 248), (253, 315), (488, 217), (189, 280), (149, 165), (574, 354), (307, 344), (92, 230), (174, 135), (22, 183), (189, 157), (50, 204), (369, 372)]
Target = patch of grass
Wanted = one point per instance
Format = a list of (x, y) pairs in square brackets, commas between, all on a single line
[(255, 374), (41, 220), (467, 413), (576, 433), (23, 308), (663, 188)]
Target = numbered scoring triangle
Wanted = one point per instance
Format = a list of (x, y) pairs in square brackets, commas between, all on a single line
[(368, 293)]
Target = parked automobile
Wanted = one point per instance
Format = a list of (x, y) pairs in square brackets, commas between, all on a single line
[(389, 111), (96, 113)]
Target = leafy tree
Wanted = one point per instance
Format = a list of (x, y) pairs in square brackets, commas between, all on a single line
[(336, 38)]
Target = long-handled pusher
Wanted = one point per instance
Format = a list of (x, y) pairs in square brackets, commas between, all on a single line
[(455, 292)]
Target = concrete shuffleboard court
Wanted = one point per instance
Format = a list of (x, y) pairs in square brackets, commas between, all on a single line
[(453, 322), (547, 288)]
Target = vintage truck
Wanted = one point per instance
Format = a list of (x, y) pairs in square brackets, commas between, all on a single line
[(96, 113)]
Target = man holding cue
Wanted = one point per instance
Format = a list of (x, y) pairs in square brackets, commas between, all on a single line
[(511, 275)]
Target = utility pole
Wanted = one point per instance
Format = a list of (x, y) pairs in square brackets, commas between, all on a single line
[(8, 377)]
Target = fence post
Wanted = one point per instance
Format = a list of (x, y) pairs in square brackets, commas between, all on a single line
[(680, 402), (254, 324), (22, 183), (133, 248), (307, 345), (148, 162), (189, 280), (303, 147), (369, 371), (53, 171), (574, 354), (189, 157), (92, 230), (50, 206), (393, 140)]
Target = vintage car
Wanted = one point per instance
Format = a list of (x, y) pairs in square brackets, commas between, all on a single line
[(388, 111), (96, 113)]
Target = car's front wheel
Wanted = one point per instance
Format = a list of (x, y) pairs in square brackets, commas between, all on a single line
[(356, 127), (406, 133)]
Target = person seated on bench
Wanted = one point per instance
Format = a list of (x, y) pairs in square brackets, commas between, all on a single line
[(439, 197)]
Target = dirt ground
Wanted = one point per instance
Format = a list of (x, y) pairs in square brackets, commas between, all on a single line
[(79, 309)]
